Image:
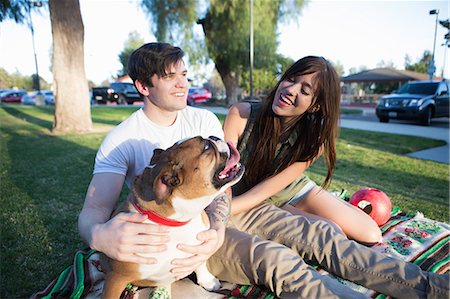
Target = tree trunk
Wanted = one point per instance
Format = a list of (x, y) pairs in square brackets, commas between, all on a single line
[(72, 104), (230, 80), (229, 77)]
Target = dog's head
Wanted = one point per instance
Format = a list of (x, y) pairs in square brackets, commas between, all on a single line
[(191, 169)]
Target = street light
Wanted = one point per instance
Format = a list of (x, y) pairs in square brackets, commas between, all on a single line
[(36, 4), (432, 67)]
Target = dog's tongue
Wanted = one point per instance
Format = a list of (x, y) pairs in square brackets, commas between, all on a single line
[(232, 160)]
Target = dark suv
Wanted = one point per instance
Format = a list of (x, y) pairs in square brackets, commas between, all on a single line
[(416, 100), (118, 92)]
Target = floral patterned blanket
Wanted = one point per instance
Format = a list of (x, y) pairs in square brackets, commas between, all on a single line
[(411, 237)]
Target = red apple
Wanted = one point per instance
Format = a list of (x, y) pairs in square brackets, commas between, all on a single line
[(374, 202)]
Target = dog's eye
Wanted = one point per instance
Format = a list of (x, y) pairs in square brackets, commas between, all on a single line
[(208, 145)]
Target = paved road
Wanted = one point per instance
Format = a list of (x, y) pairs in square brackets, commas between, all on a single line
[(439, 130)]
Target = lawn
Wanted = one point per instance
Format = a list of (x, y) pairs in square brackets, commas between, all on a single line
[(44, 179)]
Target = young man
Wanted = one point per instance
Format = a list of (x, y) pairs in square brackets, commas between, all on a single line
[(159, 74)]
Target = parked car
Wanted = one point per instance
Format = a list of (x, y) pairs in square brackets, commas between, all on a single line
[(118, 92), (49, 98), (12, 96), (30, 99), (198, 95), (416, 100)]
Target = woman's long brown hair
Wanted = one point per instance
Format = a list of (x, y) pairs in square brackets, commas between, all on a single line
[(315, 129)]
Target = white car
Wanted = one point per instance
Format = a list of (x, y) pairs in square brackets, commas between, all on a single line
[(30, 98)]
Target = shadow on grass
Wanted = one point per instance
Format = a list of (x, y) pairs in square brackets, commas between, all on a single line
[(44, 180), (99, 115), (18, 113)]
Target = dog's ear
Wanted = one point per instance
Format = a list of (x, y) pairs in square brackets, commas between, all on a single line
[(156, 156), (140, 190), (163, 186)]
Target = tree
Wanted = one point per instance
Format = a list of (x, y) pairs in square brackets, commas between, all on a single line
[(215, 85), (446, 24), (339, 67), (226, 28), (15, 10), (19, 81), (72, 107), (264, 79), (354, 70), (386, 64), (173, 21), (420, 66), (133, 42)]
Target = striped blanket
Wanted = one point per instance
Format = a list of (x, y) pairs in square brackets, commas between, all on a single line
[(410, 237)]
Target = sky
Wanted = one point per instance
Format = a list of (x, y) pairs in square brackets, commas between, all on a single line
[(354, 34)]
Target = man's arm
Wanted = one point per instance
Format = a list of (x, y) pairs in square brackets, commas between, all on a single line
[(101, 197), (124, 235)]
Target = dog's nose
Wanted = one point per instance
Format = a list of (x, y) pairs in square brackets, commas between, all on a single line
[(214, 138)]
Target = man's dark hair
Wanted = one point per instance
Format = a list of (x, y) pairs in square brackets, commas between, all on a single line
[(152, 58)]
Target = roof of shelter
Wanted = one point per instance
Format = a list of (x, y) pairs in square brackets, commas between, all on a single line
[(384, 75)]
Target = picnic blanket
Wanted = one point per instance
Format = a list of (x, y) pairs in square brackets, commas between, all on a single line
[(410, 237)]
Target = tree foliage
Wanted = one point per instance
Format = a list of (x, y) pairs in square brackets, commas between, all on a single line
[(134, 41), (16, 10), (174, 21), (446, 24), (420, 66), (19, 81), (226, 31), (264, 79), (170, 18), (339, 67)]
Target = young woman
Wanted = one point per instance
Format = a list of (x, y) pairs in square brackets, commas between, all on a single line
[(266, 245), (279, 138)]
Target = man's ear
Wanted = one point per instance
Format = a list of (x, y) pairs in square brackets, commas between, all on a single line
[(156, 156), (142, 88)]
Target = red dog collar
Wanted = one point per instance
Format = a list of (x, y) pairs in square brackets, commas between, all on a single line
[(158, 218)]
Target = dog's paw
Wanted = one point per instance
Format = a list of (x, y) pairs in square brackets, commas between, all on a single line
[(212, 284)]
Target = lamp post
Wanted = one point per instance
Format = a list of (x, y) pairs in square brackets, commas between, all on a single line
[(432, 67), (37, 4)]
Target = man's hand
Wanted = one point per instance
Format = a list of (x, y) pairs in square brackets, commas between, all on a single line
[(218, 212), (125, 235), (200, 253)]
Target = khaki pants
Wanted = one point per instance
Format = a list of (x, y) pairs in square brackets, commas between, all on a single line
[(268, 246)]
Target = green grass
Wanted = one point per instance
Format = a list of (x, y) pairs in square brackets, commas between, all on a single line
[(351, 111), (44, 178)]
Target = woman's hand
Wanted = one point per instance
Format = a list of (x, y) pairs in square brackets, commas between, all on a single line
[(125, 236), (200, 253)]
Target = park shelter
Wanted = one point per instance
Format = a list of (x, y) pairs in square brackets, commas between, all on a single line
[(375, 76)]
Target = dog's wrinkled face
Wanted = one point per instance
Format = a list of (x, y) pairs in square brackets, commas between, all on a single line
[(192, 168)]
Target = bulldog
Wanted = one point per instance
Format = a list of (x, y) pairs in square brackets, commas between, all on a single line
[(174, 189)]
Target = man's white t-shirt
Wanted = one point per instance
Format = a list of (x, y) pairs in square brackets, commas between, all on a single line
[(128, 148)]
